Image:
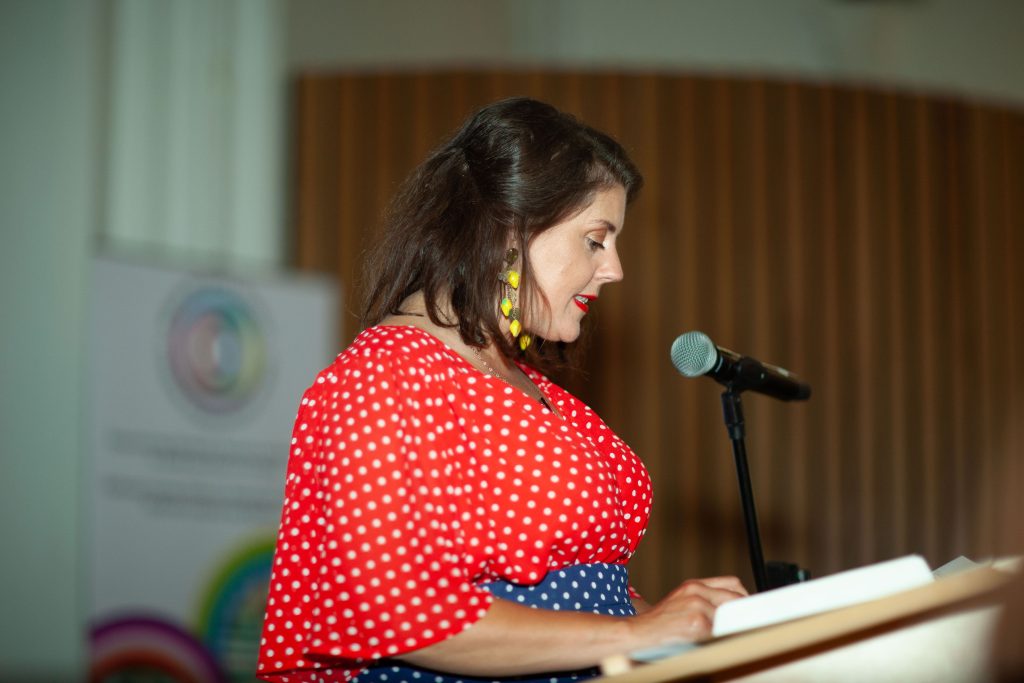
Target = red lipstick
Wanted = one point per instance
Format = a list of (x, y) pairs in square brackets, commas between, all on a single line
[(583, 301)]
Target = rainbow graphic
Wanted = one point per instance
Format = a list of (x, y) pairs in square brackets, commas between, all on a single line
[(144, 647), (231, 612), (216, 350)]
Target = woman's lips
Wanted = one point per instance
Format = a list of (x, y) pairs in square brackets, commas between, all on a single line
[(583, 301)]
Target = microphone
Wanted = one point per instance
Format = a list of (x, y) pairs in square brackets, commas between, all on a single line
[(694, 354)]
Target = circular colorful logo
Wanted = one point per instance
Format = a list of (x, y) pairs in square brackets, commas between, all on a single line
[(143, 647), (216, 350), (231, 614)]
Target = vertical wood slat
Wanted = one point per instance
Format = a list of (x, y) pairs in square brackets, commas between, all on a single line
[(835, 540), (1012, 205), (723, 319), (981, 152), (961, 321), (899, 350), (869, 241), (865, 333), (348, 211), (645, 109), (682, 257), (762, 318), (928, 360), (793, 219), (309, 204)]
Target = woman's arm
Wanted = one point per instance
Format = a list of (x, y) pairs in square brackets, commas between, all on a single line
[(640, 605), (514, 639)]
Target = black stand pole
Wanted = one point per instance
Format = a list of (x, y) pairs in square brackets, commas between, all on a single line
[(732, 410)]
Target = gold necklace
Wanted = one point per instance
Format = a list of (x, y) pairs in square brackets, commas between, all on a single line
[(487, 366), (494, 373)]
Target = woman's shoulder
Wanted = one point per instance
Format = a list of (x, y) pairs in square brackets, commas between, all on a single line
[(390, 350), (406, 342), (402, 340)]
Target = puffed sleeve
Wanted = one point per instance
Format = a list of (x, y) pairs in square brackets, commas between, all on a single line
[(370, 560)]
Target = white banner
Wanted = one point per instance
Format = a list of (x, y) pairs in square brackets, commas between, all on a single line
[(195, 381)]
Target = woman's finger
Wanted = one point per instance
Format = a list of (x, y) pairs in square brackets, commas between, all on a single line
[(726, 582)]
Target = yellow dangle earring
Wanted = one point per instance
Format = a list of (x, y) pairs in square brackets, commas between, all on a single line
[(510, 299)]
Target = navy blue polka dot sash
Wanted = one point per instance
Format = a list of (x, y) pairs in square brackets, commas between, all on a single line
[(599, 588)]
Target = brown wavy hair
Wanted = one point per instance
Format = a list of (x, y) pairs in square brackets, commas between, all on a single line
[(513, 170)]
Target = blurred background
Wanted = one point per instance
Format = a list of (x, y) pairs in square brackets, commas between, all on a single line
[(833, 186)]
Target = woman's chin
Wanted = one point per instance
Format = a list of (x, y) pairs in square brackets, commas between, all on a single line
[(567, 330), (565, 335)]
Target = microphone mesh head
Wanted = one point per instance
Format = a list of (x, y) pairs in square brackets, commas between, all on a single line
[(694, 354)]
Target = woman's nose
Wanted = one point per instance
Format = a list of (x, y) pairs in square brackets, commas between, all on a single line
[(611, 269)]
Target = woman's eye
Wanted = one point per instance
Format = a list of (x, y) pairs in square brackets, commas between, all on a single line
[(594, 245)]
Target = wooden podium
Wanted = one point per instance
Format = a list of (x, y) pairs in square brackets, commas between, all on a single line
[(937, 632)]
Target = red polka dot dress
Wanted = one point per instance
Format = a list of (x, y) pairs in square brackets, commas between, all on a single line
[(414, 482)]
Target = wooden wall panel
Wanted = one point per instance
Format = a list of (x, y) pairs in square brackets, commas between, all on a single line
[(868, 240)]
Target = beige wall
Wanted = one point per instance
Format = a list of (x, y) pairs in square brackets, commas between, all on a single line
[(955, 46)]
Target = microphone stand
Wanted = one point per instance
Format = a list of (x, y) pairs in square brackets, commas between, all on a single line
[(772, 574), (732, 409)]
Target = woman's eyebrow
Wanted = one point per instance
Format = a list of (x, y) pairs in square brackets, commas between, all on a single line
[(601, 222)]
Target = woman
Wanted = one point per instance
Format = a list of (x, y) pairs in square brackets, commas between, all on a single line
[(447, 507)]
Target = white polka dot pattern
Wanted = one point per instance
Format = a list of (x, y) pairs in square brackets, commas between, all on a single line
[(413, 479), (598, 588)]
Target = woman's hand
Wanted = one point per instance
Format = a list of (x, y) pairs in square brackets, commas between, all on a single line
[(688, 612), (513, 639)]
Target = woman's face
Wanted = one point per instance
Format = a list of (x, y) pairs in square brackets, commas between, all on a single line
[(570, 262)]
